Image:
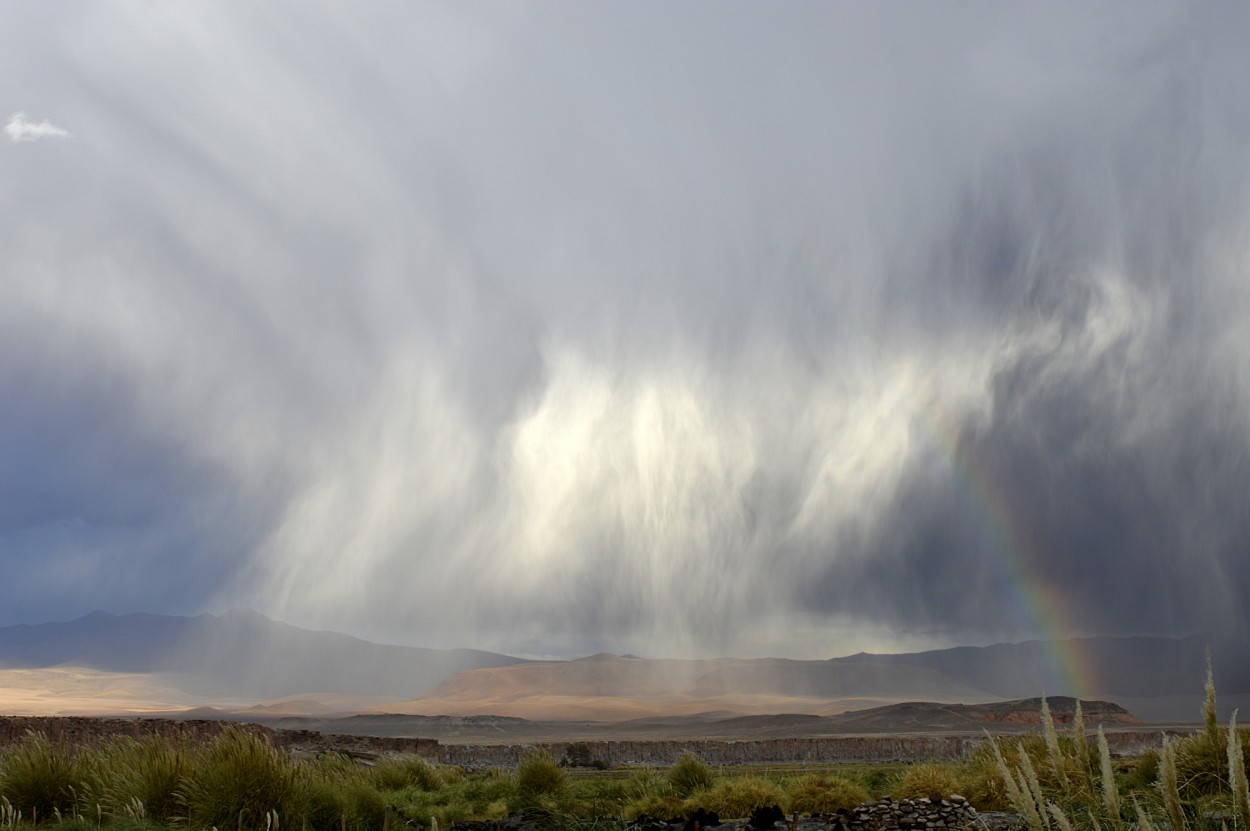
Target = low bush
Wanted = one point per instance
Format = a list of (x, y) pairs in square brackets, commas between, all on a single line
[(658, 806), (539, 775), (825, 794), (735, 798), (326, 806), (365, 806), (479, 790), (38, 779), (127, 822), (239, 778), (142, 777), (981, 782), (688, 774), (877, 781), (394, 773), (924, 779)]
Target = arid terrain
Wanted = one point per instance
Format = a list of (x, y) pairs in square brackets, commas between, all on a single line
[(244, 666), (911, 718)]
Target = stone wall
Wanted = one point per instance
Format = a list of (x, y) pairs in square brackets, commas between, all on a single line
[(924, 814)]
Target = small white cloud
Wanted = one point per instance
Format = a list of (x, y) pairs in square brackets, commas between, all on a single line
[(19, 129)]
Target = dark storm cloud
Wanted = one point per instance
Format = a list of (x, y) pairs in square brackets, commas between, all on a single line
[(669, 330), (1117, 433), (97, 508)]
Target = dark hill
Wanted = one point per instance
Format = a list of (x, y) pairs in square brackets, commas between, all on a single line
[(1141, 667), (241, 654)]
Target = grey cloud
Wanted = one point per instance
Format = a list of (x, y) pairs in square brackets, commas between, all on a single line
[(633, 328)]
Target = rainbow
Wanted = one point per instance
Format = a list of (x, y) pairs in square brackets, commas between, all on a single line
[(1042, 610)]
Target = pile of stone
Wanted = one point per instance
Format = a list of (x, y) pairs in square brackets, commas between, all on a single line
[(931, 813), (928, 814)]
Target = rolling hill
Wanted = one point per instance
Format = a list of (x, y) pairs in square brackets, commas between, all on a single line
[(1160, 676), (247, 663), (237, 655)]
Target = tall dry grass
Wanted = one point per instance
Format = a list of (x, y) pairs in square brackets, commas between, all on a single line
[(1199, 780)]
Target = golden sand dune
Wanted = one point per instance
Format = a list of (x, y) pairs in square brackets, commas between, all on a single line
[(81, 691), (91, 692), (609, 688), (543, 707)]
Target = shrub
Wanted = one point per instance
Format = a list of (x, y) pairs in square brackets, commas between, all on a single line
[(239, 778), (577, 755), (688, 774), (825, 794), (326, 806), (147, 773), (38, 780), (980, 781), (539, 775), (449, 774), (1202, 759), (340, 794), (924, 779), (366, 808), (76, 823), (1202, 763), (734, 798), (655, 805), (648, 793), (126, 822), (877, 781), (394, 773), (1145, 771), (486, 788)]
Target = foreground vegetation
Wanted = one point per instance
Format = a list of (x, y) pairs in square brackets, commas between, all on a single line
[(239, 781)]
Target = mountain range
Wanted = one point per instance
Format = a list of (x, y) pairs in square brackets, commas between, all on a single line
[(239, 654), (250, 663)]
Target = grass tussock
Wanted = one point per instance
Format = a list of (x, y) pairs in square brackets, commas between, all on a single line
[(925, 779), (241, 781), (736, 797), (540, 775), (41, 781), (394, 773), (1189, 783), (142, 779), (823, 794), (688, 774)]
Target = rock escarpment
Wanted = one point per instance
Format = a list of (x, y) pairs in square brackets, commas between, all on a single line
[(78, 730), (72, 730)]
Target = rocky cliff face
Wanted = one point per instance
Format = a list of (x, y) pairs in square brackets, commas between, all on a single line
[(765, 751), (880, 748), (75, 730), (1062, 711)]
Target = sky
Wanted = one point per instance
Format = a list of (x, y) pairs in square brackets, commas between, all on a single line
[(697, 329)]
